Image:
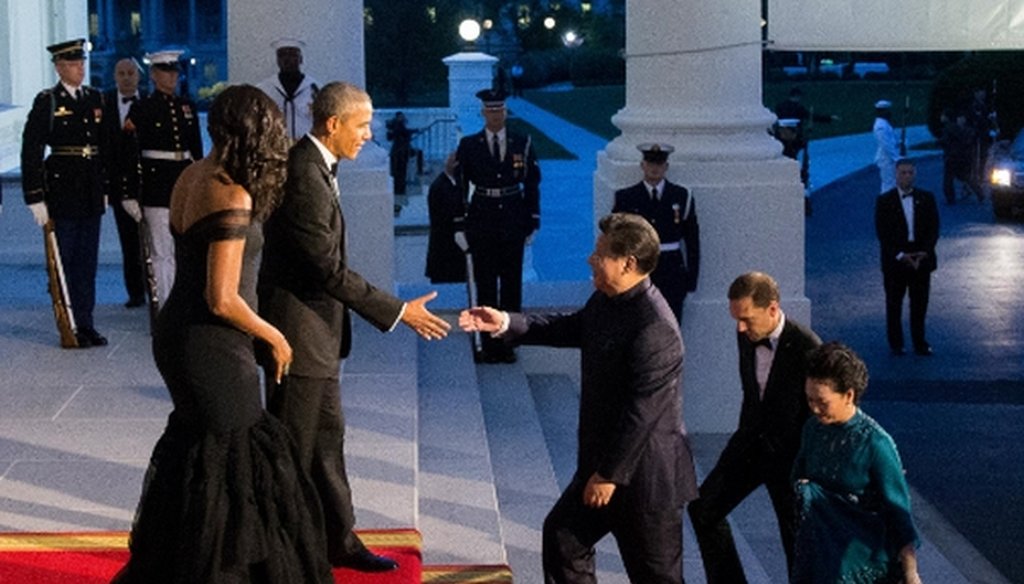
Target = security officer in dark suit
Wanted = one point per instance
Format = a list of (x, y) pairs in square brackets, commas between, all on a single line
[(68, 186), (123, 175), (166, 126), (500, 178), (671, 210)]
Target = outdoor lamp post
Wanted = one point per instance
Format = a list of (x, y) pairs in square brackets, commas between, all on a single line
[(469, 30)]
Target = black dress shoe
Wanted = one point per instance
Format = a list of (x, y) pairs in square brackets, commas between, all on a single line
[(135, 302), (95, 338), (83, 340), (924, 351), (367, 561)]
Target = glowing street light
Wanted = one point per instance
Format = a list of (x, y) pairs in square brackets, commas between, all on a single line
[(469, 30), (571, 39), (549, 22)]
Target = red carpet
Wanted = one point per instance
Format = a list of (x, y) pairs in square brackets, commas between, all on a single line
[(94, 558)]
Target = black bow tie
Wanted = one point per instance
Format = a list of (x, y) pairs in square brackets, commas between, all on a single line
[(907, 194), (128, 99), (765, 342), (334, 169)]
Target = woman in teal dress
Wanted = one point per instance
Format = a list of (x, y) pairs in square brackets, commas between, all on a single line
[(853, 505)]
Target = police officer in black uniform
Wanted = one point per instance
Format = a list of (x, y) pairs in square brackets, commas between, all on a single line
[(500, 178), (671, 210), (68, 186), (166, 127)]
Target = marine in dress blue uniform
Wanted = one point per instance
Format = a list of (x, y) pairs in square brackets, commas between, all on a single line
[(670, 208), (166, 126), (68, 185), (500, 179)]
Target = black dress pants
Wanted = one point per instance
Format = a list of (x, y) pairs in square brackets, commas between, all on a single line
[(651, 543), (131, 253), (311, 410), (731, 481), (916, 284)]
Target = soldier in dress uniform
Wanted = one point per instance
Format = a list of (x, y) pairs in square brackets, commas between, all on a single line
[(500, 178), (166, 127), (68, 186), (671, 210), (291, 89), (123, 175)]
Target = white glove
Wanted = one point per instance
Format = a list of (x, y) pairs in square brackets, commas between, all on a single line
[(131, 206), (460, 240), (40, 213)]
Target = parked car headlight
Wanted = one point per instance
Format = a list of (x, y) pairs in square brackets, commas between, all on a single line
[(1001, 177)]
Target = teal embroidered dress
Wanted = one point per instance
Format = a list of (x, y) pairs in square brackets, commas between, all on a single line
[(853, 504)]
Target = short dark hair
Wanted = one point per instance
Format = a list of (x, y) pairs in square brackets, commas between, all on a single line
[(840, 368), (337, 98), (761, 288), (631, 235), (906, 162)]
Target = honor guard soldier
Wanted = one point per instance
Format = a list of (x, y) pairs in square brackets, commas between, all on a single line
[(166, 127), (68, 186), (500, 179), (291, 89), (671, 210)]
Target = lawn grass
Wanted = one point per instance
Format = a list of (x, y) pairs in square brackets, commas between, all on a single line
[(545, 147), (853, 101)]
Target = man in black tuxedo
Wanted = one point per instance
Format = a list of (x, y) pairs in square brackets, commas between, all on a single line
[(122, 172), (634, 469), (773, 353), (907, 225), (500, 178), (306, 290), (671, 210)]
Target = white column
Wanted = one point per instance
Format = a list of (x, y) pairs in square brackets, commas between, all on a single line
[(333, 33), (468, 73), (693, 80)]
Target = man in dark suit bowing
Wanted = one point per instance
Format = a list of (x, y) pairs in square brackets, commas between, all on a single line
[(634, 469), (773, 353), (500, 179), (907, 225), (122, 172), (671, 210), (306, 289)]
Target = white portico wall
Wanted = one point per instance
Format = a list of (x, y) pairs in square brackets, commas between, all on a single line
[(333, 33), (468, 73), (693, 80), (26, 29)]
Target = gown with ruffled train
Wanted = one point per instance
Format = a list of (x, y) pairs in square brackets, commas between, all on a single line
[(224, 499)]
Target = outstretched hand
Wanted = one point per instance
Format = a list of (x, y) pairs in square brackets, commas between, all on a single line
[(482, 319), (425, 323)]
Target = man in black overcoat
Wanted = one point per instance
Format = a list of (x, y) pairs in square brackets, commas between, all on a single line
[(773, 352), (907, 225), (672, 211), (446, 260), (306, 290), (634, 468)]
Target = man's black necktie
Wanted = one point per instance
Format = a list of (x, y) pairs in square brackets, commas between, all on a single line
[(128, 99), (654, 194), (78, 94), (496, 149)]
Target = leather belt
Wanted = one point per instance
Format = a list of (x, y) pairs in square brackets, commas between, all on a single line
[(87, 151), (497, 193), (167, 154), (674, 246)]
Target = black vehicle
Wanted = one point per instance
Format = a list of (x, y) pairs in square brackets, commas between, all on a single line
[(1006, 177)]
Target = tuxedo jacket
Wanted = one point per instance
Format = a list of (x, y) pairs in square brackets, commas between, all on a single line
[(122, 150), (306, 288), (673, 216), (893, 235), (770, 428), (630, 420)]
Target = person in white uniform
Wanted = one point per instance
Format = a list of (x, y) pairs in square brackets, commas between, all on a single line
[(290, 88), (888, 151)]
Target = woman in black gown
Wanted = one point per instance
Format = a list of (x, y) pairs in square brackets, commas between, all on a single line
[(224, 500)]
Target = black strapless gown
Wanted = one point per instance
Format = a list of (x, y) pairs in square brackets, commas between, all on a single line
[(224, 498)]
